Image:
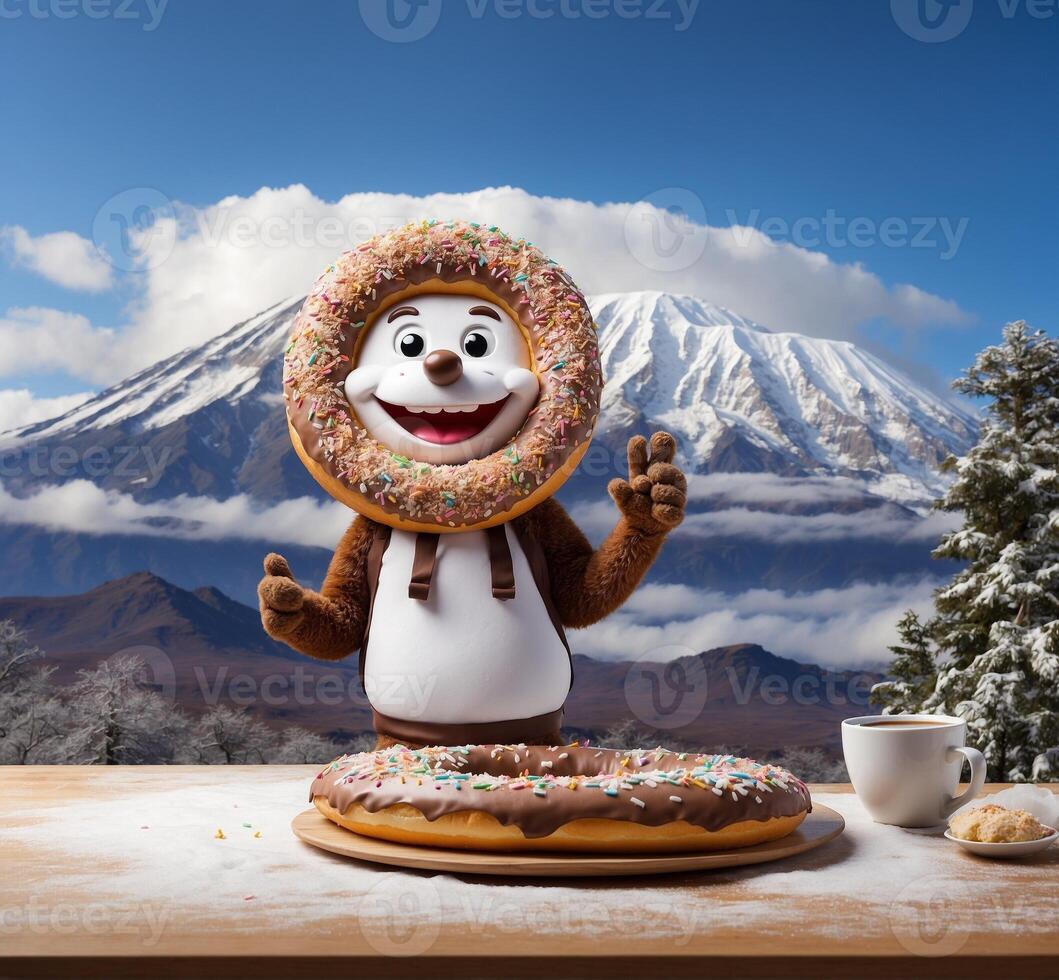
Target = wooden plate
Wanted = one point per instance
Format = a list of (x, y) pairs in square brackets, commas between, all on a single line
[(822, 825)]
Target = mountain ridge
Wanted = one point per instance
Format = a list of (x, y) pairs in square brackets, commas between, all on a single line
[(743, 398), (209, 423), (143, 609), (201, 647), (738, 396)]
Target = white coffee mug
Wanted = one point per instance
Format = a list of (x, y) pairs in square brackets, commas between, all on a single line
[(905, 768)]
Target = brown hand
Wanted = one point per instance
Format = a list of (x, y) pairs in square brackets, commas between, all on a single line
[(652, 500), (282, 599)]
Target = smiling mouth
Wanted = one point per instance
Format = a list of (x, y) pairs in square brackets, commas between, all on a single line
[(444, 425)]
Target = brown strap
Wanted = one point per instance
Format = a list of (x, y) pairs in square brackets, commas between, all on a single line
[(423, 565), (501, 571), (380, 541)]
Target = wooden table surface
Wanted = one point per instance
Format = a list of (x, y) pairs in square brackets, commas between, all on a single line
[(121, 872)]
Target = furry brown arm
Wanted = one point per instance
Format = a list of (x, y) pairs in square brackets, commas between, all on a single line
[(589, 585), (328, 624)]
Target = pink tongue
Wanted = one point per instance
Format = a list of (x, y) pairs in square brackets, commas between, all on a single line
[(444, 428)]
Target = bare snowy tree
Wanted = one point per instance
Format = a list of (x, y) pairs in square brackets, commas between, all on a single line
[(117, 719), (17, 654), (297, 746), (112, 715), (625, 734), (231, 737), (361, 742), (33, 723), (811, 765), (32, 717)]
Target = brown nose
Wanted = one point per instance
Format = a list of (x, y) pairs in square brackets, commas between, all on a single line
[(443, 367)]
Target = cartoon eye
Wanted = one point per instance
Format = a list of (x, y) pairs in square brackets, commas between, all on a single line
[(410, 342), (479, 342)]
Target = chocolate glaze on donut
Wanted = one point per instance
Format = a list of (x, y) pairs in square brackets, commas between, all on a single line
[(539, 788)]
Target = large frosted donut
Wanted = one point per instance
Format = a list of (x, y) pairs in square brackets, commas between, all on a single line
[(573, 798), (433, 257)]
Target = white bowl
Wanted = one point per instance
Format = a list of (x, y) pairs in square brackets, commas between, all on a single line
[(1013, 850)]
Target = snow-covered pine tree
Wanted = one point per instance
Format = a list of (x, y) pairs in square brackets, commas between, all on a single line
[(997, 624), (913, 669)]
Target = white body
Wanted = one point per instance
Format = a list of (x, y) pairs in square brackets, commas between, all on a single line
[(462, 656), (908, 775)]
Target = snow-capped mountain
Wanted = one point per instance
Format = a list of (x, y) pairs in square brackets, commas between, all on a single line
[(209, 423), (737, 396), (743, 398), (229, 368)]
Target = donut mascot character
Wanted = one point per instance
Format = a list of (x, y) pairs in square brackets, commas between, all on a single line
[(443, 380)]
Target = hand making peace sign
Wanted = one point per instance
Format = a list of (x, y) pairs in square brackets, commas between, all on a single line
[(653, 498)]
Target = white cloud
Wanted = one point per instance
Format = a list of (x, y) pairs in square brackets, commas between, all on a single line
[(205, 269), (19, 407), (879, 523), (847, 627), (843, 627), (62, 257), (884, 523), (769, 488), (41, 339), (81, 507)]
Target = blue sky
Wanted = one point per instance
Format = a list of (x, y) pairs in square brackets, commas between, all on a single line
[(763, 110)]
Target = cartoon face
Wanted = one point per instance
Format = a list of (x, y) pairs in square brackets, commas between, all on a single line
[(443, 378)]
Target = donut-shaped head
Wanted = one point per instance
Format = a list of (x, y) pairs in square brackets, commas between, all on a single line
[(442, 377)]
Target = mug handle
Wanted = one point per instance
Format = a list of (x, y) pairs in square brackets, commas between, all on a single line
[(978, 769)]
